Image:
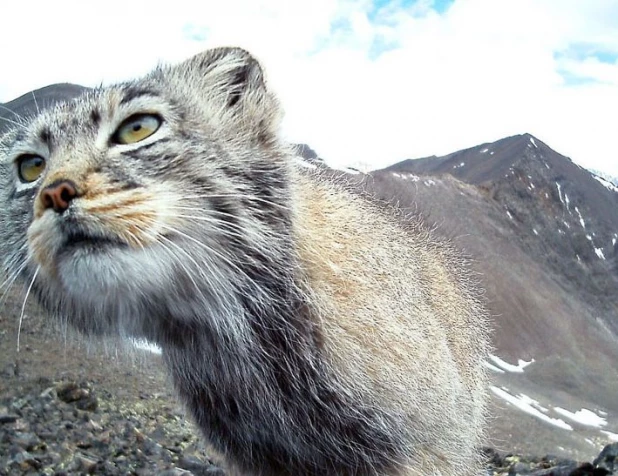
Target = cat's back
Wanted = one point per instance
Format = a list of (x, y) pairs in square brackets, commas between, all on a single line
[(402, 317)]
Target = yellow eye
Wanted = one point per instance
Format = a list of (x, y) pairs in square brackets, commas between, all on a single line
[(30, 167), (136, 128)]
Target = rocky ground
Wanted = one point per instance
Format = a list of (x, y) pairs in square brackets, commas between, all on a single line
[(68, 407), (62, 428), (68, 427)]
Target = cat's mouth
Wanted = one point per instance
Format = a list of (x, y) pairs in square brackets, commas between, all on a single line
[(53, 242), (91, 242)]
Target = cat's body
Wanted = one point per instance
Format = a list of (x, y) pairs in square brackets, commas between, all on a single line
[(306, 330)]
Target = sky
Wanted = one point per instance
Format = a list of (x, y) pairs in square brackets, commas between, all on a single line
[(369, 81)]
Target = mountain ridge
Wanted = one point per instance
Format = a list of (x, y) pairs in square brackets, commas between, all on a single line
[(550, 195)]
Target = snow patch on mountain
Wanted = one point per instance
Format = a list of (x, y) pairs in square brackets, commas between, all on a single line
[(606, 183), (412, 177), (581, 219), (519, 368), (583, 417), (612, 436), (530, 406), (493, 368), (604, 176)]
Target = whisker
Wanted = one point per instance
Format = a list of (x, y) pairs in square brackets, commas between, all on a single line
[(23, 307), (204, 246), (187, 255), (10, 121), (12, 275), (38, 111), (172, 249), (208, 215), (225, 227), (214, 221), (236, 195), (213, 252), (11, 111), (8, 283)]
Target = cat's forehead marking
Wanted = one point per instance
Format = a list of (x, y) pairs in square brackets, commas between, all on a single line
[(45, 135), (136, 91), (75, 119)]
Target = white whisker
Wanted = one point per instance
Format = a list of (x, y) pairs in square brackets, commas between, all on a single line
[(11, 121), (11, 111), (189, 257), (216, 222), (8, 283), (14, 274), (38, 111), (205, 247), (235, 195), (23, 307)]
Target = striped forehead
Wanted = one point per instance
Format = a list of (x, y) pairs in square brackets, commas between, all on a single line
[(64, 121), (67, 121), (85, 115)]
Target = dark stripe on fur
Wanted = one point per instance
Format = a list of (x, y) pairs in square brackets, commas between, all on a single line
[(132, 93)]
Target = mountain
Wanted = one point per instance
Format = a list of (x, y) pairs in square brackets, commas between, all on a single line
[(572, 213), (30, 103), (606, 179), (543, 235)]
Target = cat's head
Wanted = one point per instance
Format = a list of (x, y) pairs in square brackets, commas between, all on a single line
[(144, 189)]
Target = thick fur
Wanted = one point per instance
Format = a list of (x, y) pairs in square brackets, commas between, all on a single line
[(306, 330)]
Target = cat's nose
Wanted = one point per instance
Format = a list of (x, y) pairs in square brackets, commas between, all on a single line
[(58, 195)]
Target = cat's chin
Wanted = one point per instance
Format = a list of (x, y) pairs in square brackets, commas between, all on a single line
[(110, 283), (132, 291), (109, 267), (52, 243)]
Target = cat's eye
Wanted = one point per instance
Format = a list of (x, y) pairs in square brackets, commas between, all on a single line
[(136, 128), (30, 167)]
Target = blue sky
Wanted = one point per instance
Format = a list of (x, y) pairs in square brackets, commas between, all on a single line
[(585, 53), (361, 81), (439, 6)]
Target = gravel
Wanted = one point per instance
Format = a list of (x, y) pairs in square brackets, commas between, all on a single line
[(62, 428), (75, 427)]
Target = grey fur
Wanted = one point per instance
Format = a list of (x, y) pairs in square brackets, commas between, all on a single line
[(306, 331)]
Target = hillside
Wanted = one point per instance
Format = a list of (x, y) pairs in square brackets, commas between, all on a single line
[(562, 213), (542, 232)]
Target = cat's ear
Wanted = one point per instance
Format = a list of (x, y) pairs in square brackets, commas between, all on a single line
[(231, 73), (233, 83)]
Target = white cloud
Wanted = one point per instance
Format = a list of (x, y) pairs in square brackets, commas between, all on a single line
[(359, 83)]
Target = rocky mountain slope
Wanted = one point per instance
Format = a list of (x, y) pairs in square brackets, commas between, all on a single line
[(564, 214), (543, 234)]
